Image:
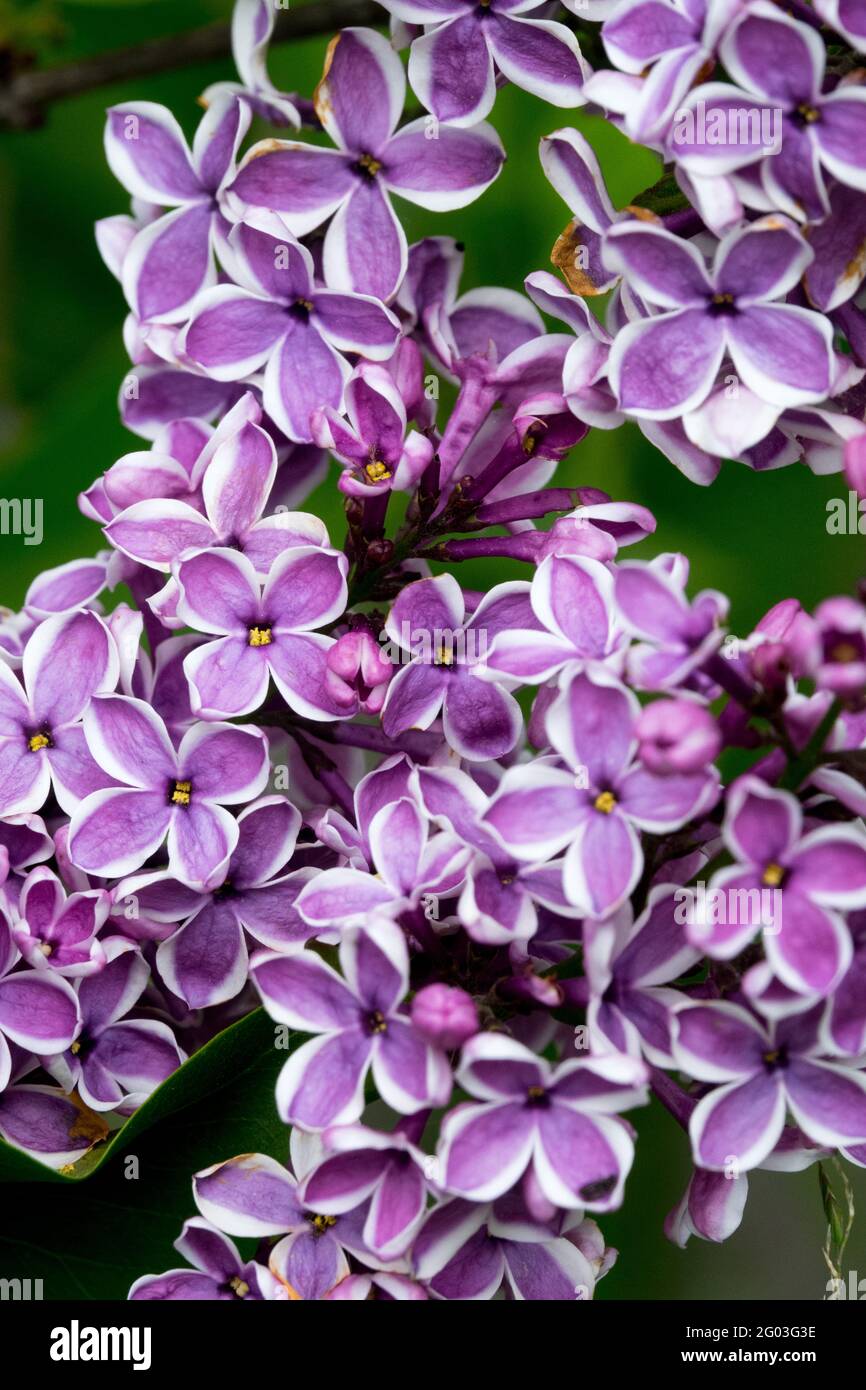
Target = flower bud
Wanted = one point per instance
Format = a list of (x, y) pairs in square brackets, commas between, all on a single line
[(677, 736), (445, 1015)]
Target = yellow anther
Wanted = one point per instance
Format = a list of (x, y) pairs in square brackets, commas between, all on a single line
[(773, 875), (605, 802), (260, 637), (370, 163), (182, 793), (38, 741), (377, 472)]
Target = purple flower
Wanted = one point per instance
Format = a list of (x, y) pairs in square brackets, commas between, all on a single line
[(451, 68), (479, 720), (678, 637), (572, 600), (558, 1121), (501, 897), (361, 1027), (235, 489), (116, 1062), (779, 64), (278, 318), (374, 445), (759, 1073), (261, 633), (386, 1170), (57, 932), (359, 102), (172, 258), (404, 865), (466, 1250), (814, 877), (252, 27), (840, 625), (664, 366), (180, 794), (67, 661), (595, 805), (358, 672), (38, 1010), (712, 1208), (218, 1272), (205, 961), (628, 964)]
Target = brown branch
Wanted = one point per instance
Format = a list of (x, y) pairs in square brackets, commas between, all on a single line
[(25, 95)]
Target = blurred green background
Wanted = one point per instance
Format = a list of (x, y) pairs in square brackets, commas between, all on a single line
[(757, 537)]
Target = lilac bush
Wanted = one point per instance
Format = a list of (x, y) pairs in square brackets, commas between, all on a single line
[(479, 855)]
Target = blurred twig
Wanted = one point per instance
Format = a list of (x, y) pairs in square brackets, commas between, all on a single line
[(26, 94)]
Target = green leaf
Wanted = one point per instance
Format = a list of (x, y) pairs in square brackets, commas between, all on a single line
[(88, 1240), (239, 1047)]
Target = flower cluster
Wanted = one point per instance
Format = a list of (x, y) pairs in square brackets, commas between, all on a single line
[(481, 857)]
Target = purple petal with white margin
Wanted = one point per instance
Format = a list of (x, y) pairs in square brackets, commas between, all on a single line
[(233, 332), (739, 1123), (660, 267), (238, 481), (451, 71), (662, 367), (303, 992), (486, 1149), (322, 1084), (360, 97), (201, 837), (39, 1012), (146, 151), (718, 1042), (205, 963), (591, 725), (813, 950), (112, 833), (219, 592), (129, 740), (248, 1196), (298, 663), (603, 863), (157, 532), (414, 698), (343, 895), (540, 56), (227, 678), (67, 660), (582, 1160), (409, 1074), (536, 810), (305, 589), (225, 764), (302, 375), (397, 835), (443, 174), (828, 1101), (169, 263), (480, 721), (365, 248), (355, 323), (304, 184), (308, 1264), (782, 352)]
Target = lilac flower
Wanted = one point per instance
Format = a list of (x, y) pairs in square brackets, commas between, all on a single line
[(560, 1122), (501, 898), (451, 68), (595, 805), (816, 875), (362, 1165), (628, 966), (218, 1272), (758, 1074), (38, 1010), (360, 1025), (467, 1249), (374, 445), (278, 318), (179, 794), (237, 483), (841, 633), (252, 28), (663, 366), (678, 637), (57, 932), (359, 102), (261, 633), (712, 1208), (572, 600), (480, 720), (404, 866), (172, 258), (48, 1125), (205, 962), (67, 660), (779, 65), (116, 1062)]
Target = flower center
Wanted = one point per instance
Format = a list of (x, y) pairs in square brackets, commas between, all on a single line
[(444, 655), (807, 114), (774, 1057), (723, 303), (369, 165), (844, 652), (377, 1022), (377, 471), (239, 1286), (260, 637), (773, 875), (605, 802), (320, 1224), (41, 739), (181, 793), (301, 309), (536, 1096)]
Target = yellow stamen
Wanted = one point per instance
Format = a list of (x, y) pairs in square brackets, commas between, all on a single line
[(38, 741), (605, 802), (444, 656), (182, 793), (322, 1223), (378, 1022), (377, 472), (260, 637), (808, 113), (723, 299), (239, 1286), (773, 875), (370, 163), (535, 1092), (305, 304), (45, 948), (844, 652), (75, 1048)]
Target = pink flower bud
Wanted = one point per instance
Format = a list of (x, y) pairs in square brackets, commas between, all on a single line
[(677, 736), (444, 1015)]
